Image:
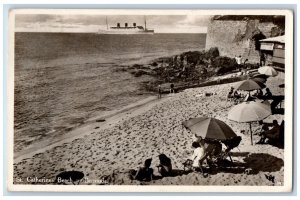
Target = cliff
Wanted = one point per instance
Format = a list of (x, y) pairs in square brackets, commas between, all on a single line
[(239, 35)]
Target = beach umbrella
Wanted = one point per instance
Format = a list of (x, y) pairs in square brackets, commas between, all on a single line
[(260, 76), (277, 117), (267, 70), (250, 112), (249, 85), (259, 80), (210, 128)]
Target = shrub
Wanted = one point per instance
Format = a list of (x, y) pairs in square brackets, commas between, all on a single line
[(193, 56), (212, 53), (223, 64), (154, 64), (223, 61)]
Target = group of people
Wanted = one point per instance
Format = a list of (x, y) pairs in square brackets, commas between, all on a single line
[(204, 151), (145, 173), (262, 60), (160, 91), (270, 135), (210, 150), (260, 95), (233, 94)]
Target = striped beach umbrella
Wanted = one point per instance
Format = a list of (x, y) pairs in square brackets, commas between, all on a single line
[(210, 128), (249, 85)]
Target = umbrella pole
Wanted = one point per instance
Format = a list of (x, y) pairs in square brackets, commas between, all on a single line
[(251, 133)]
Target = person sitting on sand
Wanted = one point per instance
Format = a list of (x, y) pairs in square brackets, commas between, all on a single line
[(272, 134), (236, 95), (230, 94), (263, 127), (268, 94), (259, 94), (248, 97), (165, 165), (144, 173), (199, 154)]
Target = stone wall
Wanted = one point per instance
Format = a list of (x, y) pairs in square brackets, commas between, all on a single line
[(232, 37)]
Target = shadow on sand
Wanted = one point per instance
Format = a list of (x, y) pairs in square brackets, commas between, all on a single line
[(253, 163), (175, 172)]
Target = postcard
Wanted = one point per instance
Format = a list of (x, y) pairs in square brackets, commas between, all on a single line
[(140, 100)]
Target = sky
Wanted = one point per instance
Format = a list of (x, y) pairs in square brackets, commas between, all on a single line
[(92, 23)]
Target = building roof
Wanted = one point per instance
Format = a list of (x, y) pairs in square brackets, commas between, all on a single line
[(279, 39)]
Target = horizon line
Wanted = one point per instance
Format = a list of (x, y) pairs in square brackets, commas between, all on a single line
[(108, 33)]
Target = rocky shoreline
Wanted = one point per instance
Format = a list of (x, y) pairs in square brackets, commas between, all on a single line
[(186, 70)]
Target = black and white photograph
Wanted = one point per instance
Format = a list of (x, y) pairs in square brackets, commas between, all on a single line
[(125, 100)]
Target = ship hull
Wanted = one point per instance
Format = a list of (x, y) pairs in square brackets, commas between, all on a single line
[(125, 32)]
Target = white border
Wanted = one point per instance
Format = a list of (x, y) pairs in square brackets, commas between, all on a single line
[(288, 159)]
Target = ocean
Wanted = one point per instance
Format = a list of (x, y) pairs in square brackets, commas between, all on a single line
[(64, 79)]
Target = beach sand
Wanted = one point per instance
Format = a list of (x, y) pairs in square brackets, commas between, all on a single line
[(127, 139)]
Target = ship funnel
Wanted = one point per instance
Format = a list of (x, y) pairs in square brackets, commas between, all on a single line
[(126, 25), (118, 25), (134, 24)]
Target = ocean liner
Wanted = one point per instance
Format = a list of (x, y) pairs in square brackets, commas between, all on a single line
[(134, 29)]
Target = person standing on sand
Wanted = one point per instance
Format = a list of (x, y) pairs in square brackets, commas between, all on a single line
[(172, 91), (239, 61), (262, 59), (159, 91)]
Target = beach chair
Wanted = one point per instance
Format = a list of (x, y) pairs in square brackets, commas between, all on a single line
[(248, 97), (230, 144), (213, 152)]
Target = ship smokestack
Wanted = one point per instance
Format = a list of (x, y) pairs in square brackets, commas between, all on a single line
[(126, 25), (118, 25)]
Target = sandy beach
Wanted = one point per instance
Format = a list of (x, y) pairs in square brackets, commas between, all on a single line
[(126, 139)]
